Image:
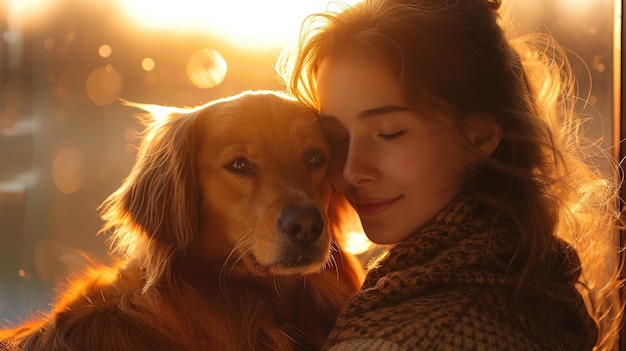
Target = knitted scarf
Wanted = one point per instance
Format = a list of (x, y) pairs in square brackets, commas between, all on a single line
[(449, 287)]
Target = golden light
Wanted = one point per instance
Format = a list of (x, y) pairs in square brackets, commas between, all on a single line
[(104, 51), (355, 240), (249, 23), (104, 85), (68, 170), (576, 8), (22, 12), (206, 68), (148, 64), (158, 113), (26, 5)]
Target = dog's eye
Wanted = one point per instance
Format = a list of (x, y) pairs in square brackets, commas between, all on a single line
[(241, 166), (314, 158)]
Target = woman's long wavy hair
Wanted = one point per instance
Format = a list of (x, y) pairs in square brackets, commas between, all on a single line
[(455, 57)]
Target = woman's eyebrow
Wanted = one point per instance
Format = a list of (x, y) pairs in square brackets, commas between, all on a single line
[(382, 110), (377, 111)]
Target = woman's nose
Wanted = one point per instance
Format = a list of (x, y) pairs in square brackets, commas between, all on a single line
[(360, 166)]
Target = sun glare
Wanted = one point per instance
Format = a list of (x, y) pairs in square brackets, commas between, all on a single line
[(22, 11), (250, 23), (354, 238)]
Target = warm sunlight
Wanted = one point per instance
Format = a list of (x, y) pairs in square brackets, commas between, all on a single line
[(249, 23), (356, 242), (20, 11)]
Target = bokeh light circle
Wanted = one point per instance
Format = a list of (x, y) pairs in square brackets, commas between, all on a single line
[(206, 68), (68, 170), (105, 51), (104, 85), (148, 64)]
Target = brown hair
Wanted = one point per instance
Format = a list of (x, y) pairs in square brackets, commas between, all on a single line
[(455, 57)]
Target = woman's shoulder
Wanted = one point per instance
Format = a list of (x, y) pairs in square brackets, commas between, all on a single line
[(441, 319), (458, 318), (367, 344), (452, 320)]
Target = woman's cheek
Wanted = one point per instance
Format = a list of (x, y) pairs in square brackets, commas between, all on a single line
[(427, 166)]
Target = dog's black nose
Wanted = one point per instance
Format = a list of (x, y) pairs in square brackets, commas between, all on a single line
[(302, 225)]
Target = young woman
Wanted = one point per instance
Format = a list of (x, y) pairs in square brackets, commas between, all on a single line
[(459, 148)]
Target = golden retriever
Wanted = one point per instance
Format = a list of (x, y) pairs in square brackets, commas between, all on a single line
[(228, 237)]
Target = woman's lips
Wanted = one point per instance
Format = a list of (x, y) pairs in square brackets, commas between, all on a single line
[(371, 207)]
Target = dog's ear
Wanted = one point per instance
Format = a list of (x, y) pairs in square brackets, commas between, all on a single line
[(153, 215)]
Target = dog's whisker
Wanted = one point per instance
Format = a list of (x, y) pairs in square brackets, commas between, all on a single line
[(302, 332), (232, 267), (278, 289), (330, 263), (223, 276), (336, 266), (334, 247), (331, 258), (244, 239)]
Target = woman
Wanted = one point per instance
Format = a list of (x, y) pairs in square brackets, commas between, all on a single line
[(459, 148)]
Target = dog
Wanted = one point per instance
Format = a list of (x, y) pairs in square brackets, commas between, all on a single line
[(227, 234)]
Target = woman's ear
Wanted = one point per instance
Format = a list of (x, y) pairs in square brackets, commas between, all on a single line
[(483, 132)]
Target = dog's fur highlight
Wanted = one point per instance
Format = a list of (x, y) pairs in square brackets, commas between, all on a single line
[(227, 235)]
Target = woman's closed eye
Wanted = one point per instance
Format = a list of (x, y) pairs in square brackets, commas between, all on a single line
[(392, 136)]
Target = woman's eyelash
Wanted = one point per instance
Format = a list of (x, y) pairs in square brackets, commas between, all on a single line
[(392, 135)]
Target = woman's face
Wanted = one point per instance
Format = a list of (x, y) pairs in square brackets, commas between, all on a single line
[(396, 169)]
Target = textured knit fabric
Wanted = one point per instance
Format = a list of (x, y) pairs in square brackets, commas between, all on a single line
[(448, 287)]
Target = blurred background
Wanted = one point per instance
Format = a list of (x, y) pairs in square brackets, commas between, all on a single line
[(66, 142)]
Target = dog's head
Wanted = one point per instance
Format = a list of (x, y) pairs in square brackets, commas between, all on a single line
[(241, 179), (261, 167)]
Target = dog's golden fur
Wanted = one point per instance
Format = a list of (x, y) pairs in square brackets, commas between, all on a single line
[(227, 234)]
